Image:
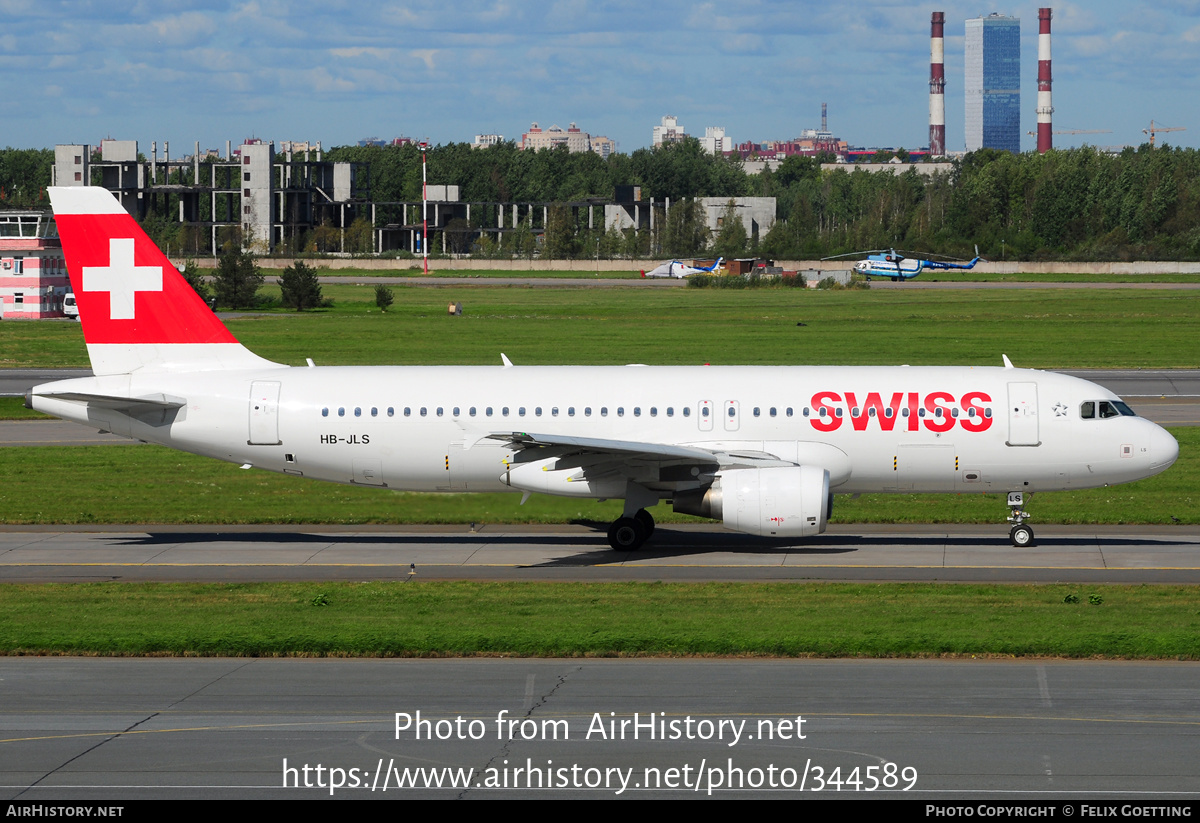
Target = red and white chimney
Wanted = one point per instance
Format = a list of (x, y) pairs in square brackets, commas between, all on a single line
[(1045, 134), (937, 86)]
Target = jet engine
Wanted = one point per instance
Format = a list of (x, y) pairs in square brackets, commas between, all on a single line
[(781, 501)]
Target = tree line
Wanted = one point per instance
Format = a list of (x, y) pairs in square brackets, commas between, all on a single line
[(1074, 204)]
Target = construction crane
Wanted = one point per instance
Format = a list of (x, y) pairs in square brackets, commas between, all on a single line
[(1155, 129)]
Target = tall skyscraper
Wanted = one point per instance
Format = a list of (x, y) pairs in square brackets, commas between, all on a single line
[(992, 63)]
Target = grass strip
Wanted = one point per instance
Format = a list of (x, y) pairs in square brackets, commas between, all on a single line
[(13, 408), (1085, 328), (419, 619)]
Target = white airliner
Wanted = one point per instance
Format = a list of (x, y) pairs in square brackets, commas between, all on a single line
[(761, 448)]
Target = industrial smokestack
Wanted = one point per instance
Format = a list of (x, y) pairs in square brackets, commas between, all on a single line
[(937, 86), (824, 120), (1045, 134)]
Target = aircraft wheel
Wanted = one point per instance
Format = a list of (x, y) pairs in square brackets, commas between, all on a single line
[(646, 520), (1021, 536), (626, 534)]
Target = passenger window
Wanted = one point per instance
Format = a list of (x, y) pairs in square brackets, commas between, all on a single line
[(587, 411), (341, 412), (654, 411), (424, 411), (357, 411), (325, 412), (521, 411), (670, 411), (407, 411), (704, 412), (772, 411), (637, 411), (488, 411), (571, 411), (374, 411), (472, 411), (604, 411), (537, 412), (687, 411), (391, 411), (854, 412), (554, 411), (504, 411), (757, 412), (439, 411), (456, 411), (620, 411)]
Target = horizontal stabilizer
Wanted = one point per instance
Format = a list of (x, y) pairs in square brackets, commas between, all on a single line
[(123, 404)]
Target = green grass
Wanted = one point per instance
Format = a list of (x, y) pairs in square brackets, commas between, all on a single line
[(13, 408), (1037, 329), (151, 484), (974, 276), (397, 619)]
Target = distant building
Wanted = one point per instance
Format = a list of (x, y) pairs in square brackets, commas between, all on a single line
[(482, 141), (669, 132), (33, 273), (715, 141), (810, 143), (537, 138), (603, 146), (992, 69), (574, 138), (286, 146)]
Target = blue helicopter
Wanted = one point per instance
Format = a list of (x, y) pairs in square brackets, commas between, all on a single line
[(896, 265)]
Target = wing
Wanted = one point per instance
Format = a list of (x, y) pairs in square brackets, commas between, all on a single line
[(600, 462)]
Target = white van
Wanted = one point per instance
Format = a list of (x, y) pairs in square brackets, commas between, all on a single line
[(69, 307)]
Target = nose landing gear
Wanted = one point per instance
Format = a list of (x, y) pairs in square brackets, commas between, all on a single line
[(1020, 534)]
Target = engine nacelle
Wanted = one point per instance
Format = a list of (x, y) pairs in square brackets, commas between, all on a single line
[(782, 501)]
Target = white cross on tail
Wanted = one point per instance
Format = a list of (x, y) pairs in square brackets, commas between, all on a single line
[(120, 278)]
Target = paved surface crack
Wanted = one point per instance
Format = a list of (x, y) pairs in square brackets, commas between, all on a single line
[(532, 704)]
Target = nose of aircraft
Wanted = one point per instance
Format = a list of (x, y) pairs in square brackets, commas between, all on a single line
[(1164, 449)]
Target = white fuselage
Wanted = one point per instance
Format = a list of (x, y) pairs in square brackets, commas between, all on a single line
[(883, 429)]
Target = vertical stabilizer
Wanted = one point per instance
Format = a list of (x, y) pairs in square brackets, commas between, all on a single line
[(136, 309)]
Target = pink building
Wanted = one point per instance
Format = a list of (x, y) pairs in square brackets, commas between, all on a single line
[(33, 274)]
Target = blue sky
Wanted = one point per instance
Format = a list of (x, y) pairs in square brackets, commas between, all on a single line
[(447, 70)]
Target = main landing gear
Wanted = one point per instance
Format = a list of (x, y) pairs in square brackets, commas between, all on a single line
[(627, 534), (1020, 534)]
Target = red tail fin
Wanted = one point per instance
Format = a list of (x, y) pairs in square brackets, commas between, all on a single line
[(135, 307)]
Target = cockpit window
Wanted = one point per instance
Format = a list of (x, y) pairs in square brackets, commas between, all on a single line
[(1124, 409), (1104, 409)]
